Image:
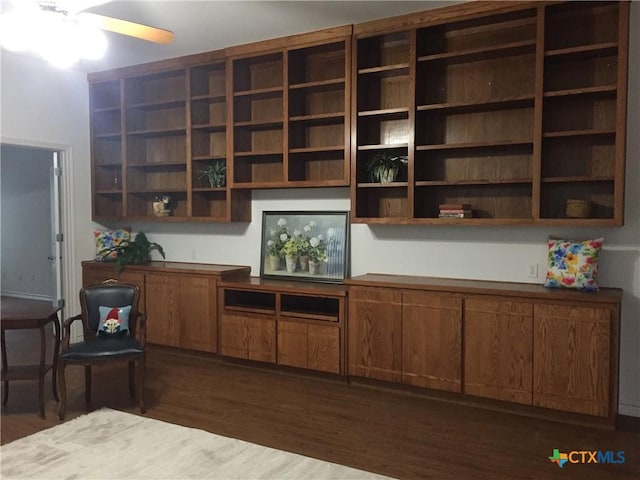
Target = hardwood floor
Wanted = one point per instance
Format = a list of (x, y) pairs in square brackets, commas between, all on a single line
[(392, 433)]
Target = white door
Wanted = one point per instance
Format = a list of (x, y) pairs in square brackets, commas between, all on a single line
[(57, 235)]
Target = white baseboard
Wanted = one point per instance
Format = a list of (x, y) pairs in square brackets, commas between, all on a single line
[(629, 410)]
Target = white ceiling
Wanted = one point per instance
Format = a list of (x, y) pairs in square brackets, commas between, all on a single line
[(201, 26)]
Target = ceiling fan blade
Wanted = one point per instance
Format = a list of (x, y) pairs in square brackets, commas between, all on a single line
[(130, 29), (75, 6)]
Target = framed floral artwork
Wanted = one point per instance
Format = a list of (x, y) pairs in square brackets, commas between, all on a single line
[(312, 246)]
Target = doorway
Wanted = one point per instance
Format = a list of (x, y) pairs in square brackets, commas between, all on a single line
[(31, 223)]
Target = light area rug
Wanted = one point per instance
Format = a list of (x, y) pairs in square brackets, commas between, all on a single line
[(108, 444)]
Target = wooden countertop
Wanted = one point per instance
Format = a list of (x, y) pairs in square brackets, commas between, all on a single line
[(532, 290), (223, 271), (257, 283)]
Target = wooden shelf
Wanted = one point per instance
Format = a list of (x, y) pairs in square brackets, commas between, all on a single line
[(479, 103), (158, 132), (475, 129), (584, 50), (108, 136), (383, 185), (330, 148), (318, 84), (158, 165), (577, 133), (490, 181), (576, 179), (319, 118), (474, 145), (599, 90), (383, 146), (259, 92), (510, 102), (513, 48)]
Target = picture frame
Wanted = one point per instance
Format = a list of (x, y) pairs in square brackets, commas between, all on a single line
[(305, 245)]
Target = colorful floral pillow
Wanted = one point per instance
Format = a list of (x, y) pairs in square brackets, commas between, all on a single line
[(106, 239), (573, 264), (113, 321)]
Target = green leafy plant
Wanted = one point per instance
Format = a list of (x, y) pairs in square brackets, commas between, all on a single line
[(292, 247), (135, 252), (383, 167), (215, 174)]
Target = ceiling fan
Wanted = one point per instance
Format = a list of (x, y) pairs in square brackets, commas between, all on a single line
[(77, 9), (63, 28)]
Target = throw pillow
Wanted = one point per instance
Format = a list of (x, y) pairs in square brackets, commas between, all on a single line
[(113, 321), (573, 264), (107, 239)]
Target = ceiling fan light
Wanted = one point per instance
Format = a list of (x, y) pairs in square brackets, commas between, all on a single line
[(92, 43), (15, 33)]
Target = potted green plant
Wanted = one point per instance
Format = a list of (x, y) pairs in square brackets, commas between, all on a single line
[(215, 174), (383, 167), (136, 252)]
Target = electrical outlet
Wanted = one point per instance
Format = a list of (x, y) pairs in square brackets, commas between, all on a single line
[(193, 254), (533, 270)]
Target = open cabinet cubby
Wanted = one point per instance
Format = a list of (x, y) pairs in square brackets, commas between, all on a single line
[(509, 114), (290, 115), (509, 110), (293, 324)]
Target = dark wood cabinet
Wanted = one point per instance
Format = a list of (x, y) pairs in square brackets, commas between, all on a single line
[(519, 343), (375, 333), (180, 299), (432, 341), (295, 324), (184, 309), (573, 360), (498, 349), (408, 337)]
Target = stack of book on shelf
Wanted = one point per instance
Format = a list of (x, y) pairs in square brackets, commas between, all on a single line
[(455, 210)]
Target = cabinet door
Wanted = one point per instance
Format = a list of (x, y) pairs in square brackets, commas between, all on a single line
[(316, 347), (498, 339), (248, 337), (261, 335), (323, 344), (375, 333), (571, 358), (197, 313), (163, 322), (432, 341), (233, 336), (292, 344)]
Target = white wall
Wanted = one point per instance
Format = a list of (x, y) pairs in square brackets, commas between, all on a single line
[(44, 107), (25, 218), (490, 253)]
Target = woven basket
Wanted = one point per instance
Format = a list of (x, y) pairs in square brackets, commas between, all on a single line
[(578, 208)]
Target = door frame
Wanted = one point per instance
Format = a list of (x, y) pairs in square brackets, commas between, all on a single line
[(69, 284)]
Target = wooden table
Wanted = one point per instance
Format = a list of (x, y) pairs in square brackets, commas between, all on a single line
[(18, 314)]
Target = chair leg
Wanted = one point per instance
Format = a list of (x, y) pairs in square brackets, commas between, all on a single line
[(132, 379), (87, 384), (141, 372), (63, 389)]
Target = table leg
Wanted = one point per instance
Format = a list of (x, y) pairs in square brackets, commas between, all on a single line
[(5, 368), (54, 364), (43, 354)]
